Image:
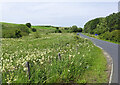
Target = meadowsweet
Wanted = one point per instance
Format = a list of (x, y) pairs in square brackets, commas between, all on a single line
[(80, 64), (89, 50), (68, 70), (25, 69), (41, 62), (73, 56)]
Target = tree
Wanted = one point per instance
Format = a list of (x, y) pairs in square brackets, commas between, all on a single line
[(57, 28), (79, 29), (74, 28), (28, 25)]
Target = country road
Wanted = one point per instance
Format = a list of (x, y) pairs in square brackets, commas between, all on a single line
[(112, 50)]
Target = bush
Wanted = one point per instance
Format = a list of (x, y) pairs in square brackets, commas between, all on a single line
[(74, 28), (57, 28), (112, 36), (28, 25), (34, 30), (115, 36), (79, 30), (66, 28), (106, 36), (58, 31), (18, 34)]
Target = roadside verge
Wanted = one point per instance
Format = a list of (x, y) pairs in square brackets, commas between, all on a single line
[(109, 64)]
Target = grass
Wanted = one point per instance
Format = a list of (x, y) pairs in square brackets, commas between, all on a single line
[(80, 58), (43, 27), (9, 30), (97, 37)]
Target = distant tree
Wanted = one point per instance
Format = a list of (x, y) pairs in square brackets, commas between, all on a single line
[(28, 25), (74, 28), (58, 31), (57, 28), (66, 28), (79, 29)]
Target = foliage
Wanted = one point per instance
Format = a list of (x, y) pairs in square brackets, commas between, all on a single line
[(34, 30), (28, 25), (105, 27), (57, 28), (79, 30), (58, 31), (89, 26), (113, 36), (74, 28), (18, 34)]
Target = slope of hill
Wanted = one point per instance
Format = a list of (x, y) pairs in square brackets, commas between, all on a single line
[(108, 28), (10, 30)]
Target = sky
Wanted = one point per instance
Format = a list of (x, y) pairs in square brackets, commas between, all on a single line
[(57, 13)]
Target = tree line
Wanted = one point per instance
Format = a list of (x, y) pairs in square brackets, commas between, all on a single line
[(106, 27)]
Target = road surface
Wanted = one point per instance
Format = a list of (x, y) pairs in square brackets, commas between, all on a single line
[(112, 50)]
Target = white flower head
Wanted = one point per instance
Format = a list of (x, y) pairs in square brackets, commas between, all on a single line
[(68, 70), (78, 52), (41, 62)]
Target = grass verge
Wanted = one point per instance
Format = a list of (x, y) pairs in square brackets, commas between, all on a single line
[(97, 37)]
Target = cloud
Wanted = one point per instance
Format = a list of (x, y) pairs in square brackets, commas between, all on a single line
[(56, 13), (59, 0)]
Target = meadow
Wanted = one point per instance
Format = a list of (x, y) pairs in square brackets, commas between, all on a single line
[(53, 58)]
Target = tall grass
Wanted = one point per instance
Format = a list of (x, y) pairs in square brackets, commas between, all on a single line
[(81, 61)]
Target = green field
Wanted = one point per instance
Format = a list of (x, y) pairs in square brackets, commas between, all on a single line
[(43, 27), (81, 61)]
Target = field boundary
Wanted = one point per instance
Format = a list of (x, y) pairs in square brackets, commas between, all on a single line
[(109, 64)]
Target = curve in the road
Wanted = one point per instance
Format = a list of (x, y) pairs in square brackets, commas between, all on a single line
[(112, 50)]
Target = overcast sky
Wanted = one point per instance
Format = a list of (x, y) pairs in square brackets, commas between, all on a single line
[(56, 13)]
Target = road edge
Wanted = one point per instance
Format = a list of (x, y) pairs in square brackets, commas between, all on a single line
[(109, 62)]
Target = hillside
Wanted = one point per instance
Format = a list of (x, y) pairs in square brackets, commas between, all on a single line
[(10, 30), (107, 27)]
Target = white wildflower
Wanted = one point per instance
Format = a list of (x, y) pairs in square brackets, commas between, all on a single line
[(68, 70)]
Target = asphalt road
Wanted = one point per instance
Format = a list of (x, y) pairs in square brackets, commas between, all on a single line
[(112, 50)]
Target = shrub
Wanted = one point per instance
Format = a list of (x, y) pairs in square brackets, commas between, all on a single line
[(34, 30), (58, 31), (18, 34), (106, 36), (57, 28), (28, 25), (115, 36), (79, 30), (66, 28), (74, 28)]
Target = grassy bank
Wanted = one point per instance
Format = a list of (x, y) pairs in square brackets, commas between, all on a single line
[(10, 30), (98, 37), (80, 62)]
